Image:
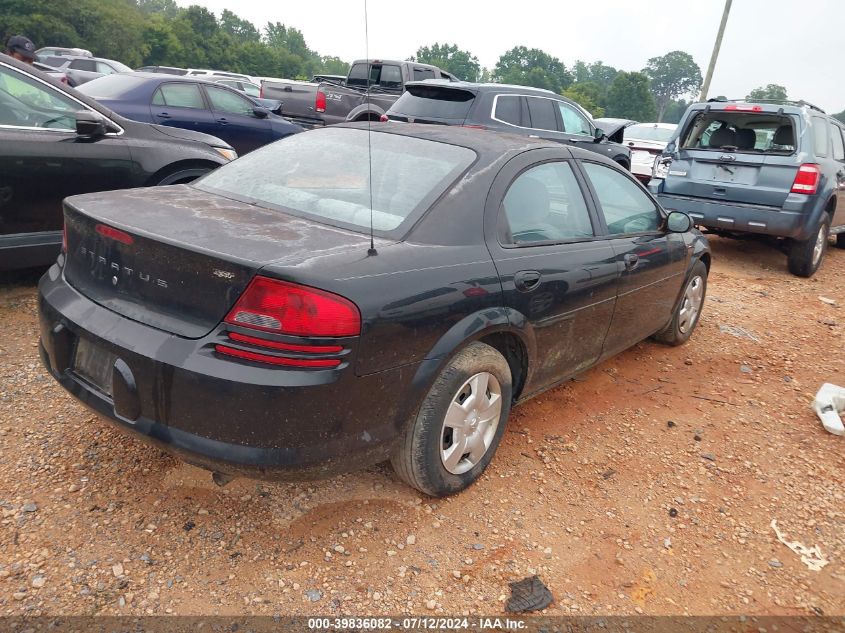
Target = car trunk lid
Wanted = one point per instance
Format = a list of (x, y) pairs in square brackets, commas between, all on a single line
[(177, 258)]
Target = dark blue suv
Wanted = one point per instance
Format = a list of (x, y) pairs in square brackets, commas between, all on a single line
[(771, 168)]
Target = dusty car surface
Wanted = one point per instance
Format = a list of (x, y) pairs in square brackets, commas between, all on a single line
[(289, 315)]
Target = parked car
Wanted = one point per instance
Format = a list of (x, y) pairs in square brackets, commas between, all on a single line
[(59, 51), (210, 74), (83, 69), (58, 75), (769, 168), (167, 70), (192, 104), (647, 141), (55, 142), (371, 87), (522, 110), (306, 310)]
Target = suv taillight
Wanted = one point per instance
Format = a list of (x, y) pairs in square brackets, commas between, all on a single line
[(807, 179), (320, 103), (383, 118), (281, 307)]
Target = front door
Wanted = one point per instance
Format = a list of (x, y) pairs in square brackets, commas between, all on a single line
[(239, 125), (839, 157), (651, 262), (558, 274)]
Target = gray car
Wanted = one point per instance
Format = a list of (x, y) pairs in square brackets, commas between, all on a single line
[(81, 69), (769, 168)]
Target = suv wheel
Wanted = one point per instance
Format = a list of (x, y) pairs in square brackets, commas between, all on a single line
[(805, 256), (459, 425), (688, 309)]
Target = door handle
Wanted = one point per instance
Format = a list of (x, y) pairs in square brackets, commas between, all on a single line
[(163, 115), (527, 280), (631, 261), (223, 120)]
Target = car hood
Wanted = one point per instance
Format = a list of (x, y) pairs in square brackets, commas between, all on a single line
[(190, 135)]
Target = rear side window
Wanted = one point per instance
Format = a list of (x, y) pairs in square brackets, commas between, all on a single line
[(434, 102), (542, 113), (391, 77), (508, 109), (820, 135), (544, 204), (179, 96), (627, 209), (838, 147), (420, 74), (84, 64)]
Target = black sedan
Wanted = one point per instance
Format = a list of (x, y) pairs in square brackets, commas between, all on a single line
[(54, 143), (313, 308)]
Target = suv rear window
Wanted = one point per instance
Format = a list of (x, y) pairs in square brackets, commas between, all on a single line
[(753, 132), (433, 102), (325, 175)]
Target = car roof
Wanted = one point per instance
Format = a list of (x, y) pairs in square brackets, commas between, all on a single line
[(792, 107), (487, 87)]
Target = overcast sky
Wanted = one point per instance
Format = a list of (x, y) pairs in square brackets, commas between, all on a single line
[(799, 45)]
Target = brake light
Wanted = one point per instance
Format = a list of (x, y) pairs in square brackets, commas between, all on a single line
[(115, 234), (286, 308), (383, 118), (276, 360), (285, 347), (744, 108), (261, 91), (807, 179), (320, 104)]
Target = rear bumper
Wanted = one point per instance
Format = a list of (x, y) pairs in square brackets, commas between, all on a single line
[(29, 250), (737, 217), (225, 415)]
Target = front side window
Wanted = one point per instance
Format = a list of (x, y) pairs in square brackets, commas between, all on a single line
[(25, 102), (251, 89), (227, 101), (544, 204), (573, 121), (542, 113), (391, 77), (626, 207), (179, 96), (105, 69), (508, 109)]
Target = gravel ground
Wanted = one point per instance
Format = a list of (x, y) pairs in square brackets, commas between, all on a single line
[(647, 485)]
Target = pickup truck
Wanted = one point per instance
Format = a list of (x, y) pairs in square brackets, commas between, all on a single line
[(367, 92)]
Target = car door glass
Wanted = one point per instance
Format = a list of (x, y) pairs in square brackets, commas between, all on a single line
[(544, 204), (88, 65), (251, 89), (391, 77), (25, 102), (820, 135), (573, 121), (228, 101), (626, 207), (542, 113), (421, 74), (105, 69), (838, 146), (179, 96), (508, 109)]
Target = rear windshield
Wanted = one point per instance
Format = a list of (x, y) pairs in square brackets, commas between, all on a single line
[(756, 132), (325, 175), (111, 86), (645, 132), (434, 102)]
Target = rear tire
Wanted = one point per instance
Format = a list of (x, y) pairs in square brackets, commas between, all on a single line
[(459, 425), (688, 311), (805, 256)]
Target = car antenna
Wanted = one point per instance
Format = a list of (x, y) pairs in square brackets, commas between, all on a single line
[(372, 250)]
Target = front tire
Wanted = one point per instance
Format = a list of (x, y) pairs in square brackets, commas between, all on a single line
[(688, 310), (459, 425), (805, 256)]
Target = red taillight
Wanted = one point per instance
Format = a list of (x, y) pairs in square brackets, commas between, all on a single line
[(261, 91), (320, 104), (286, 308), (744, 108), (383, 118), (115, 234), (277, 360), (64, 238), (807, 179)]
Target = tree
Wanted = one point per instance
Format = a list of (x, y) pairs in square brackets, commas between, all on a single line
[(240, 29), (463, 64), (675, 110), (532, 67), (330, 65), (840, 116), (629, 97), (588, 95), (597, 73), (673, 75), (772, 91)]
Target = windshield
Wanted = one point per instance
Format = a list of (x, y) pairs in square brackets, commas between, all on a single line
[(111, 86), (753, 132), (646, 132), (324, 174)]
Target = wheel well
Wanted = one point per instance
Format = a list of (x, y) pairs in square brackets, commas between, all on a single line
[(368, 116), (623, 163), (831, 206), (185, 165), (511, 347), (706, 259)]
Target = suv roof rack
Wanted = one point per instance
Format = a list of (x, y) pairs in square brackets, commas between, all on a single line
[(799, 103)]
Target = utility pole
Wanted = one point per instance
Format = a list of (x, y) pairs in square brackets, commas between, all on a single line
[(705, 88)]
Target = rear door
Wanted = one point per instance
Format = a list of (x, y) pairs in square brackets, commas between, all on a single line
[(556, 268), (181, 104), (744, 154), (650, 261), (838, 155), (237, 122)]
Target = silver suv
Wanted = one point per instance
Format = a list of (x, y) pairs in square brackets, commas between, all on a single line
[(771, 168)]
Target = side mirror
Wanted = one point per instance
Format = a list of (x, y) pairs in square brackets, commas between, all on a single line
[(89, 124), (598, 135), (678, 222), (261, 112)]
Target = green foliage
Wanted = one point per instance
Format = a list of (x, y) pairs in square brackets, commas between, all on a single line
[(629, 97), (675, 110), (772, 91), (673, 75), (463, 64), (588, 95), (840, 116), (532, 67)]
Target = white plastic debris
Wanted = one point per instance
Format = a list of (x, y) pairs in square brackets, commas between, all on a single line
[(812, 557), (828, 405)]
